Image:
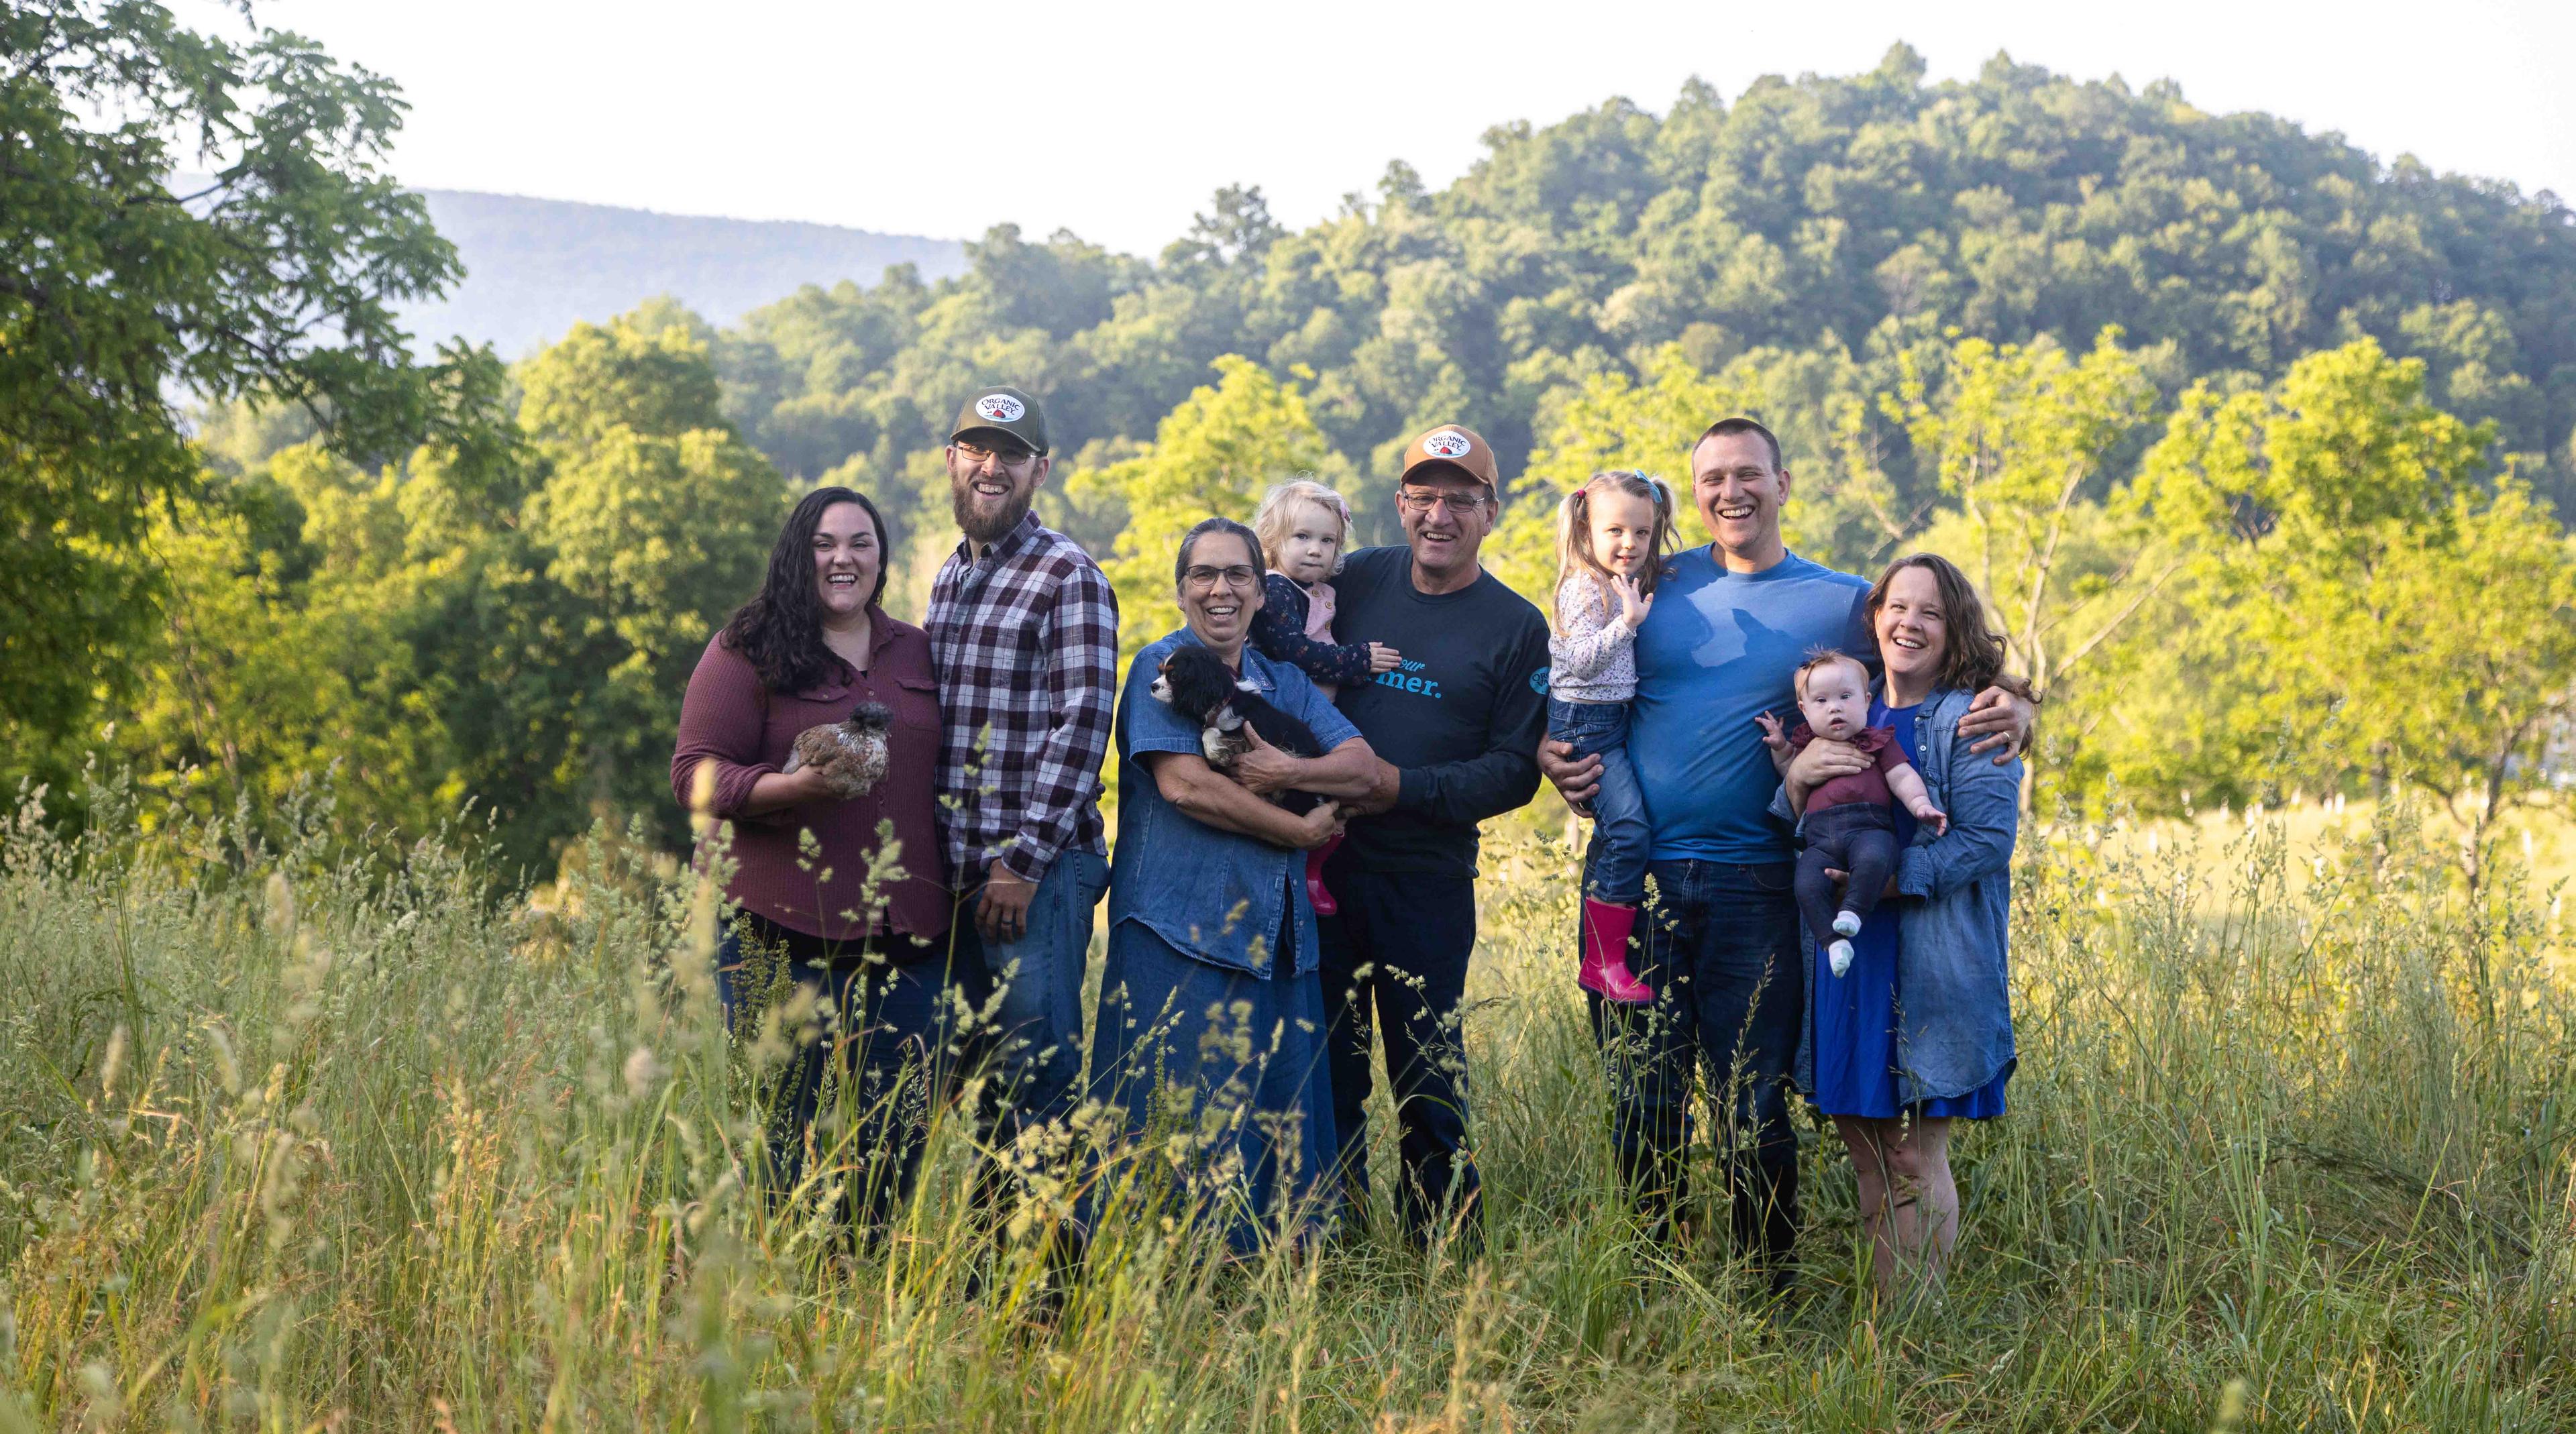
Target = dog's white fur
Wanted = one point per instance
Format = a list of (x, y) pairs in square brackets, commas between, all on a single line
[(1214, 742)]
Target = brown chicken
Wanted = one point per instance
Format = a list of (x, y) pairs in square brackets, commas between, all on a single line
[(851, 752)]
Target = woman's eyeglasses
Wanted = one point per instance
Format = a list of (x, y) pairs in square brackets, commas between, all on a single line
[(1205, 579)]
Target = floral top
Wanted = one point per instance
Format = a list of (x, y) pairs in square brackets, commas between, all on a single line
[(1591, 656)]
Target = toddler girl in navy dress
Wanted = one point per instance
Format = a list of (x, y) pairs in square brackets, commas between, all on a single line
[(1305, 530)]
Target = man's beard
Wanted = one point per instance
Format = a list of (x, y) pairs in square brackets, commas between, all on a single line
[(980, 528)]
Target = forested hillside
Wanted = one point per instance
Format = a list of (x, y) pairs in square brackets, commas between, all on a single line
[(2255, 443), (1804, 238)]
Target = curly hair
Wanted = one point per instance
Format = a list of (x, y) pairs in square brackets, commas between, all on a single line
[(780, 631)]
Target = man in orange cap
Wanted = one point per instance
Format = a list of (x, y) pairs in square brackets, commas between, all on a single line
[(1456, 728)]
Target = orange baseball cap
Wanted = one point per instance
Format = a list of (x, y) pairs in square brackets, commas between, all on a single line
[(1457, 446)]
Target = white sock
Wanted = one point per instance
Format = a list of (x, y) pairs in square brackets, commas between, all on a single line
[(1841, 952), (1846, 924)]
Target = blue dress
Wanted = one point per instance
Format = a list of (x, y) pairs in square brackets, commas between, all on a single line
[(1209, 1040), (1852, 1017)]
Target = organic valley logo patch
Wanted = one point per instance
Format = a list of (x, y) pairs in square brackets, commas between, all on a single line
[(1447, 444), (1001, 407)]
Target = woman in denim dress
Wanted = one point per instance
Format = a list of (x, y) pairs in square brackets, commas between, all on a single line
[(1211, 1021), (1919, 1032)]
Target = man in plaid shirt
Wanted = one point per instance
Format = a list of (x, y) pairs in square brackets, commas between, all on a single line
[(1024, 631)]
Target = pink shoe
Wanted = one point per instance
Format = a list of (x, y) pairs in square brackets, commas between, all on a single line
[(1605, 954), (1322, 899)]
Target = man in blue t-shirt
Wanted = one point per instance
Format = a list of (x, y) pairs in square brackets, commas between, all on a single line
[(1728, 629)]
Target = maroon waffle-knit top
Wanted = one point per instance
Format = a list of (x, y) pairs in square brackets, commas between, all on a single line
[(1868, 786), (730, 719)]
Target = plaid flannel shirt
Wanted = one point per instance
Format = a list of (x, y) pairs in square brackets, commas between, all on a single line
[(1026, 643)]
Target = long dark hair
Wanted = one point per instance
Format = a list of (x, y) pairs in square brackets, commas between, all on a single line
[(780, 631), (1972, 657)]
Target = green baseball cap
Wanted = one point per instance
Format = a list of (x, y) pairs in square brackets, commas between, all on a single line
[(1002, 409)]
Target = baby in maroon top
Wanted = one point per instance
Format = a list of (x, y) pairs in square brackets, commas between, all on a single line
[(1850, 821)]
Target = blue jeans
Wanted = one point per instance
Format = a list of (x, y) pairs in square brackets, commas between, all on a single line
[(1615, 867), (1719, 944), (1035, 1043), (890, 1031)]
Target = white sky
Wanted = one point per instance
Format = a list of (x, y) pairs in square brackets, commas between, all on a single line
[(1118, 121)]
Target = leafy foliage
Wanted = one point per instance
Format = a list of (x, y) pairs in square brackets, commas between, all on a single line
[(1815, 231), (1213, 456), (2239, 430), (274, 279), (511, 623)]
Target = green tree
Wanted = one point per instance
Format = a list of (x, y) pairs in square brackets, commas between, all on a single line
[(655, 518), (2021, 437), (1213, 456), (2470, 647), (275, 277), (2333, 609), (508, 621)]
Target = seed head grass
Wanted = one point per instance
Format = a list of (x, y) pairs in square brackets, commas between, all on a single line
[(300, 1130)]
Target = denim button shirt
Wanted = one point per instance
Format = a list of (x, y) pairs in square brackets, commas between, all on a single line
[(1953, 987), (1214, 895)]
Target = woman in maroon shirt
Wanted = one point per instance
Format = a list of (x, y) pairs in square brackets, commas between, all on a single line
[(855, 915)]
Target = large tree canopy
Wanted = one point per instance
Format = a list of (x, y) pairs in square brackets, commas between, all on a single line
[(2249, 438), (118, 295), (1814, 232)]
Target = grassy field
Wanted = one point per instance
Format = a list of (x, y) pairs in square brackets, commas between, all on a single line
[(304, 1138)]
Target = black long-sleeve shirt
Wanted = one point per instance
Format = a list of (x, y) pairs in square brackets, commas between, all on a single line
[(1461, 719)]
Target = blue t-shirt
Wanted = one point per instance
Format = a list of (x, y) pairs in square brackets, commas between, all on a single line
[(1716, 649)]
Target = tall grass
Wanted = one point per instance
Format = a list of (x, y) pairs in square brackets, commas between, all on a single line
[(303, 1136)]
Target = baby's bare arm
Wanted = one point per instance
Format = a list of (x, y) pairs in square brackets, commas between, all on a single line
[(1906, 785), (1775, 740)]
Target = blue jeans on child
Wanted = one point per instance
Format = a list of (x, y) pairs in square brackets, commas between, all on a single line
[(1857, 839), (1615, 868)]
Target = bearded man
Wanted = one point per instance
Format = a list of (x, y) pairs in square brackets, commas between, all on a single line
[(1024, 635)]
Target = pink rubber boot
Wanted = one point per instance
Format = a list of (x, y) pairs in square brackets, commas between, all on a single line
[(1323, 900), (1605, 954)]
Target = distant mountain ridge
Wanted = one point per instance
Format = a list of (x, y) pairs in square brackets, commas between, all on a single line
[(535, 266)]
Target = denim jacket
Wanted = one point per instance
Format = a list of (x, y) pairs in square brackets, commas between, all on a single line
[(1215, 896), (1954, 926)]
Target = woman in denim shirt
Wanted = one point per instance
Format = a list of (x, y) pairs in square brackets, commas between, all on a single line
[(1919, 1032), (1211, 1021)]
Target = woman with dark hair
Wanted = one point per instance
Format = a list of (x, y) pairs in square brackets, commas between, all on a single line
[(845, 899), (1918, 1032), (1211, 1008)]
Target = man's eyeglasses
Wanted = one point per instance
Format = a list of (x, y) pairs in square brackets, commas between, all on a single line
[(977, 455), (1417, 502), (1203, 579)]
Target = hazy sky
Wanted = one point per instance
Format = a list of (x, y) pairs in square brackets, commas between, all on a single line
[(1118, 121)]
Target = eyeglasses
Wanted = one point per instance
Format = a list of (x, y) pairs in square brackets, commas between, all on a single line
[(1204, 579), (1418, 503), (977, 455)]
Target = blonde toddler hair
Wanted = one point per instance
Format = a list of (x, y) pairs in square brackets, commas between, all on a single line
[(1574, 555), (1278, 515)]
